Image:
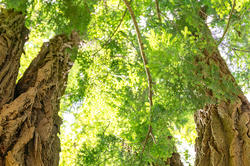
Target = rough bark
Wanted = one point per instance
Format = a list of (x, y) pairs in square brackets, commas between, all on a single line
[(13, 35), (223, 128), (223, 134), (29, 124)]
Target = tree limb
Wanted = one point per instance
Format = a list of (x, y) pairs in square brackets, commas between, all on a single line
[(229, 19), (147, 137), (158, 10), (145, 63), (112, 35)]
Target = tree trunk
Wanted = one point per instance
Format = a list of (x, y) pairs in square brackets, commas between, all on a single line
[(175, 160), (13, 35), (29, 121), (223, 127)]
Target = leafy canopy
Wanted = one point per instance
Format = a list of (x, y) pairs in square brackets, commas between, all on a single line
[(105, 107)]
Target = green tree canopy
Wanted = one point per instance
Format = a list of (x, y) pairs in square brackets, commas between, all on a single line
[(105, 108)]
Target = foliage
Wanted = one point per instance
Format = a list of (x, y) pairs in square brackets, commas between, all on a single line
[(116, 75), (61, 16)]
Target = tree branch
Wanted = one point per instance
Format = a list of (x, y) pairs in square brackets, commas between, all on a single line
[(229, 19), (147, 137), (112, 35), (145, 63), (232, 47), (158, 10)]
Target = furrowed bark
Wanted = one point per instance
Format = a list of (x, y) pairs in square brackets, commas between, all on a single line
[(223, 128), (223, 134), (13, 35), (29, 125)]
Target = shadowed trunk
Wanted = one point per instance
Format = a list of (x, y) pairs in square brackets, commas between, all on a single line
[(175, 160), (223, 127), (29, 121)]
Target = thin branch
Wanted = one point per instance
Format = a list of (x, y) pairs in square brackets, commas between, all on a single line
[(147, 137), (105, 129), (228, 23), (112, 35), (232, 47), (153, 137), (236, 49), (105, 3), (145, 63), (167, 18), (158, 10)]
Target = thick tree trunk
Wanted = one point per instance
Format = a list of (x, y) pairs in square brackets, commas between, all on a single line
[(223, 134), (29, 121), (13, 35), (224, 127)]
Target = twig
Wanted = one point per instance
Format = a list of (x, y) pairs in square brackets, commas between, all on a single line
[(171, 21), (153, 137), (105, 129), (235, 49), (158, 10), (228, 23)]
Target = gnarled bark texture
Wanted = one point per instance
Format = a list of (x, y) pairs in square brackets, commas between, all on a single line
[(224, 127), (29, 121), (13, 35), (223, 134)]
